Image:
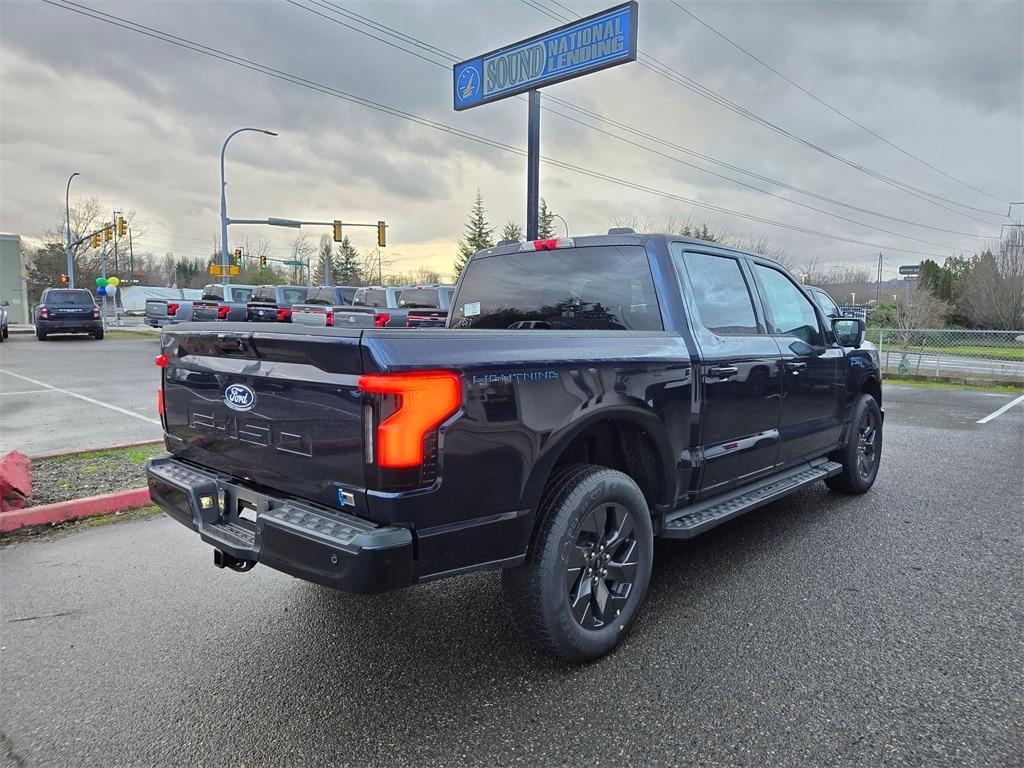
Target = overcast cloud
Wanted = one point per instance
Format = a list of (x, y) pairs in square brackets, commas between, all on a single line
[(143, 121)]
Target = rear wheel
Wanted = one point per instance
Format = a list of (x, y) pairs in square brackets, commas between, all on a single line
[(41, 335), (588, 568), (863, 452), (98, 335)]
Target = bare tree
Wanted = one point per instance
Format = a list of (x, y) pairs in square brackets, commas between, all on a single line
[(300, 249), (995, 285), (375, 265), (916, 310)]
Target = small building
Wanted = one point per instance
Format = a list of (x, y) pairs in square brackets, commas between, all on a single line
[(13, 285)]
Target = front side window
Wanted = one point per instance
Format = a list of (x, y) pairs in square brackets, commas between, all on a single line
[(789, 311), (723, 302), (825, 302), (586, 288)]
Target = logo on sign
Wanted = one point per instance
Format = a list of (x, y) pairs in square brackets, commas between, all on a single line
[(239, 397), (467, 84)]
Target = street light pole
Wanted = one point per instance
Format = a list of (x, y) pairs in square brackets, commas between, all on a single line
[(67, 232), (559, 216), (224, 260)]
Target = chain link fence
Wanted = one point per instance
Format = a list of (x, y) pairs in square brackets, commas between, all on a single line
[(950, 353)]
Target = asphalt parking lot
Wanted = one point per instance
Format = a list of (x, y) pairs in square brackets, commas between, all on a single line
[(74, 393), (820, 631)]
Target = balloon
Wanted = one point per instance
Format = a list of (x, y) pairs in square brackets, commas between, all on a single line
[(111, 289), (100, 282), (114, 281), (101, 291)]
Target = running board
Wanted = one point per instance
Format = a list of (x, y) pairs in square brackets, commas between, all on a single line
[(696, 518)]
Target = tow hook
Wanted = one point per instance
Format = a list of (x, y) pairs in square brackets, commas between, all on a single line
[(224, 560)]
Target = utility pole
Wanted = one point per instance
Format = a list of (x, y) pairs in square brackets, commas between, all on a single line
[(131, 259), (67, 222), (113, 223), (878, 283)]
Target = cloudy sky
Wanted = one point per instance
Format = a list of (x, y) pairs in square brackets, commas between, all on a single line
[(143, 121)]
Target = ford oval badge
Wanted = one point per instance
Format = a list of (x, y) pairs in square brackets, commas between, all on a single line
[(239, 397)]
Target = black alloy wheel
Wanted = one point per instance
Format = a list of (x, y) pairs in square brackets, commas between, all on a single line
[(602, 566)]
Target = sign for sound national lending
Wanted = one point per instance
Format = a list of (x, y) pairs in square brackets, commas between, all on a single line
[(596, 42)]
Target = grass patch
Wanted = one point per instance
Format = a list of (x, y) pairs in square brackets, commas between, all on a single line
[(75, 476), (47, 532), (117, 335), (1004, 389)]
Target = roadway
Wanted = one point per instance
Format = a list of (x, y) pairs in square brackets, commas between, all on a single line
[(930, 363), (823, 630)]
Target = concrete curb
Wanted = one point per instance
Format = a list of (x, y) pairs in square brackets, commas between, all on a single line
[(136, 444), (72, 510)]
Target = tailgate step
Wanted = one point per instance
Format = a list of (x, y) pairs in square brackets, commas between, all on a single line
[(704, 515)]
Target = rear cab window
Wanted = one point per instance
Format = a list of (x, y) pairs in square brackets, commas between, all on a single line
[(370, 297), (586, 288), (241, 295), (264, 293), (323, 297), (68, 296), (213, 293), (420, 298)]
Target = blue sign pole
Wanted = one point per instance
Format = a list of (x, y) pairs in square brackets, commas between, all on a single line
[(603, 40)]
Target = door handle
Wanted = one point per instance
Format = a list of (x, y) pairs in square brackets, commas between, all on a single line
[(723, 371), (795, 367)]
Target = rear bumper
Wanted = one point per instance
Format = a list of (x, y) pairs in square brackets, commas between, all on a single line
[(69, 326), (298, 538)]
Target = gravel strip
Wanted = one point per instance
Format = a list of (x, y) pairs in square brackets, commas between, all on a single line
[(64, 478)]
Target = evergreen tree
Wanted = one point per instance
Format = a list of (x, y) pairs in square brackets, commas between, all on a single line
[(347, 271), (545, 221), (511, 231), (479, 235), (325, 254)]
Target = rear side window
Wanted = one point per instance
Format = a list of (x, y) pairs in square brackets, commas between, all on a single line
[(420, 298), (789, 311), (293, 295), (596, 288), (213, 293), (371, 297), (69, 296), (723, 302)]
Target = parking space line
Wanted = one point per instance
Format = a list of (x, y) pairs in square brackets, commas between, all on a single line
[(87, 399), (28, 392), (996, 414)]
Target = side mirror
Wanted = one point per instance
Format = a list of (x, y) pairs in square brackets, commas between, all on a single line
[(849, 331), (5, 303)]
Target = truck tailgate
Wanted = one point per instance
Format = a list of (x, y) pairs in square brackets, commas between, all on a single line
[(278, 409)]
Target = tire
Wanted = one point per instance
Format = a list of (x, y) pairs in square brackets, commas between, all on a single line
[(98, 335), (862, 455), (591, 520), (41, 335)]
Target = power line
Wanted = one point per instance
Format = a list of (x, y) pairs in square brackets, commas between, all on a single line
[(410, 40), (826, 104), (678, 78), (436, 125)]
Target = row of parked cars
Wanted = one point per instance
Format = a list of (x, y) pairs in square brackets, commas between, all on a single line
[(409, 306)]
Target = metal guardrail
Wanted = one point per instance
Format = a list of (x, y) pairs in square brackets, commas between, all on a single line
[(944, 352)]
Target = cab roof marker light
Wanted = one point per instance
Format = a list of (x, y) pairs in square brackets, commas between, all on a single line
[(550, 244)]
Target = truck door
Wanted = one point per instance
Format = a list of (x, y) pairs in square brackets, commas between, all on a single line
[(739, 371), (813, 381)]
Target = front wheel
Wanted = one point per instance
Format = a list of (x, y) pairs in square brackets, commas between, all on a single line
[(863, 452), (588, 568)]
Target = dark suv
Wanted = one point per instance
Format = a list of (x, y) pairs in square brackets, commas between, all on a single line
[(273, 303), (67, 310)]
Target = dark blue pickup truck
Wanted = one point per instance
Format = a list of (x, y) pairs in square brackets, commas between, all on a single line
[(586, 396)]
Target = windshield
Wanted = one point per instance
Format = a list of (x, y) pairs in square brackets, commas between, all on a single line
[(827, 305), (595, 288), (69, 296), (370, 297), (420, 298)]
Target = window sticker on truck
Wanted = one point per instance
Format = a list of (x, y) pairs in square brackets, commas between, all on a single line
[(471, 309)]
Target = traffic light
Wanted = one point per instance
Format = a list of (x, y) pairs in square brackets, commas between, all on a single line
[(108, 233), (381, 234), (95, 242), (263, 261), (63, 279), (122, 226), (337, 231), (238, 255)]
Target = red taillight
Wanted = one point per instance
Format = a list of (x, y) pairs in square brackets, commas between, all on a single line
[(284, 315), (380, 319), (424, 401), (44, 313), (330, 316), (160, 401), (172, 308), (161, 361), (222, 312), (95, 313)]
